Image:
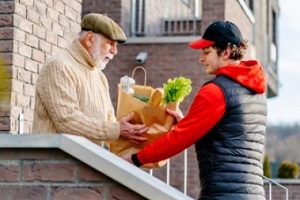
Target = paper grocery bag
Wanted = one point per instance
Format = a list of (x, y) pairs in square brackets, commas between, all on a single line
[(155, 117)]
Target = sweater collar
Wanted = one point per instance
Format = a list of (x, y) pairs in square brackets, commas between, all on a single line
[(81, 54)]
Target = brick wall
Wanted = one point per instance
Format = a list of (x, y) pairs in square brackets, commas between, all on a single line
[(51, 174), (31, 31), (6, 49)]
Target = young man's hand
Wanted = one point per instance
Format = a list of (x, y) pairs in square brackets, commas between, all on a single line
[(177, 114)]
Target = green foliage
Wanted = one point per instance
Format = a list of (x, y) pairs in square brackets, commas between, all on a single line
[(288, 169), (142, 98), (267, 167), (4, 82), (175, 90)]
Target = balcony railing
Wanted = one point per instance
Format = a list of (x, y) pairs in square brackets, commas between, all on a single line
[(165, 18), (270, 181)]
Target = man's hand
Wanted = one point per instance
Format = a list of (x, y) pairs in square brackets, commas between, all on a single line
[(132, 132), (177, 114)]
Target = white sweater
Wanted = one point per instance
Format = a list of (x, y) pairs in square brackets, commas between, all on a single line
[(72, 96)]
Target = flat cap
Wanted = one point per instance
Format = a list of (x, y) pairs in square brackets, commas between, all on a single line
[(104, 25)]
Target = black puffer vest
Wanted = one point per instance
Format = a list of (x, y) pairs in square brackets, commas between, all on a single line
[(229, 156)]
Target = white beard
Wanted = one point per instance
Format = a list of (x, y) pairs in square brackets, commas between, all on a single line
[(95, 53), (97, 58), (100, 64)]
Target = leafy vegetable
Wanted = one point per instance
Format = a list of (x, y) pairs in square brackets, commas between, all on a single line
[(142, 98), (175, 90)]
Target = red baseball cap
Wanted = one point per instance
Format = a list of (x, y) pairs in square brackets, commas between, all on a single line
[(219, 32)]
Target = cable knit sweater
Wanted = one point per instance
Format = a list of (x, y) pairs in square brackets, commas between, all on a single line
[(72, 96)]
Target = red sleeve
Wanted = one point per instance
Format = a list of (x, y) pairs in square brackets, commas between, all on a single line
[(207, 109)]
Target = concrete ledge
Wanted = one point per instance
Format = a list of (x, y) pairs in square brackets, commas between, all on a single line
[(100, 159)]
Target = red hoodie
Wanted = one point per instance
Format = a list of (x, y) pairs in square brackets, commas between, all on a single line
[(205, 112)]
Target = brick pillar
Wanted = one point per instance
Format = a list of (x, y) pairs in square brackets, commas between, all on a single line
[(30, 32)]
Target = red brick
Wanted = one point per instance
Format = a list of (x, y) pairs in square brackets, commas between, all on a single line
[(6, 46), (32, 154), (6, 20), (48, 171), (119, 192), (9, 171), (57, 154), (88, 174), (77, 193), (19, 192), (7, 6), (4, 123)]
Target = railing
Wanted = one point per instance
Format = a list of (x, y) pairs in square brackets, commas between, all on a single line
[(165, 18), (270, 188), (185, 179), (184, 172)]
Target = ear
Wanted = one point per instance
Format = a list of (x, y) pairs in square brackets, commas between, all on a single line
[(88, 39), (227, 53)]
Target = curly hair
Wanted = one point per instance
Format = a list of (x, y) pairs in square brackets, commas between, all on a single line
[(237, 53)]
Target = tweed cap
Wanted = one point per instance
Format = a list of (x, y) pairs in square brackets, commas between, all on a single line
[(104, 25)]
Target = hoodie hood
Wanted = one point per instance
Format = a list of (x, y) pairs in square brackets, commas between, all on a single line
[(248, 73)]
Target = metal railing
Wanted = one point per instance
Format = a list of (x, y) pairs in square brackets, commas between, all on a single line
[(271, 182), (270, 188)]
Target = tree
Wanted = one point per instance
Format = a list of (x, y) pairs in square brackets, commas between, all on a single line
[(267, 167), (4, 82), (288, 169)]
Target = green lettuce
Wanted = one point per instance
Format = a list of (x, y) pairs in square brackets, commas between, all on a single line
[(175, 90)]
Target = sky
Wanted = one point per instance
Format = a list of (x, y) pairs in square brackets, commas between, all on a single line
[(285, 108)]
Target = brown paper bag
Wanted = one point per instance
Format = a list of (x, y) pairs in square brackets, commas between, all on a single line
[(155, 117)]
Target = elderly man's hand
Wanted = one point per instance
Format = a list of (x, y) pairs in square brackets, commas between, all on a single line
[(132, 132)]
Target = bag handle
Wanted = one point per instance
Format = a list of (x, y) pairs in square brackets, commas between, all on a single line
[(139, 67)]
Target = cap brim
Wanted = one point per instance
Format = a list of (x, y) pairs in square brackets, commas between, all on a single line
[(201, 43)]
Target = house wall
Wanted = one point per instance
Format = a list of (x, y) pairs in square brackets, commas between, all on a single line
[(31, 31), (51, 174)]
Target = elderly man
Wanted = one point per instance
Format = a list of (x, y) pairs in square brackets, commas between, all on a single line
[(72, 93)]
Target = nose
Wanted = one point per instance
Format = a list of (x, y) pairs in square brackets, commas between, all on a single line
[(113, 48), (201, 57)]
